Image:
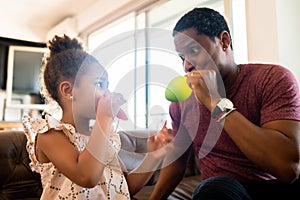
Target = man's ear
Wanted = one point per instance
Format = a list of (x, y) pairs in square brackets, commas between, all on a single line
[(65, 89), (225, 40)]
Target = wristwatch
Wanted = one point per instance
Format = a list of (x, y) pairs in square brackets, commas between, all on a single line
[(222, 109)]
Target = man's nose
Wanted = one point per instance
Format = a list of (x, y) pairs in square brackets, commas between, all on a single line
[(187, 65)]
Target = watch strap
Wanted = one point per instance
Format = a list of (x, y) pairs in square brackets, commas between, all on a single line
[(224, 115), (217, 111), (223, 108)]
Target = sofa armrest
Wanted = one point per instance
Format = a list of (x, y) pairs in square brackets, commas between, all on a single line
[(17, 181), (134, 147)]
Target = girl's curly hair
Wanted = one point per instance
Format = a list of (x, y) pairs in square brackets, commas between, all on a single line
[(64, 61)]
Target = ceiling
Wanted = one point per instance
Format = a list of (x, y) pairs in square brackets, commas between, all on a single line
[(37, 15), (33, 19), (41, 13)]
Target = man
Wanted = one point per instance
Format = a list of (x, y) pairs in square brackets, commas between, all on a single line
[(248, 117)]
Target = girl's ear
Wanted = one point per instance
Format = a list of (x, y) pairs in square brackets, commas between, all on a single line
[(65, 89), (225, 40)]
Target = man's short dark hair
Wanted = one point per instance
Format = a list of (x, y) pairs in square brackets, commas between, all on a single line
[(205, 20)]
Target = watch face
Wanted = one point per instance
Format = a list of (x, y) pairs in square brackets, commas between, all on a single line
[(225, 104), (229, 104)]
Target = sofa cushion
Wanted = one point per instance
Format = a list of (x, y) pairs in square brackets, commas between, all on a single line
[(134, 148), (17, 181)]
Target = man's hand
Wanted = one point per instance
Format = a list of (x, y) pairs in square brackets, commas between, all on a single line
[(205, 86)]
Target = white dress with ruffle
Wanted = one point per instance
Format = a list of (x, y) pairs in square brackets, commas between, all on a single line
[(112, 185)]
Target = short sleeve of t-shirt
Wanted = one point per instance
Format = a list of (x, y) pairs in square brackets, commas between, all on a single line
[(280, 95), (175, 115)]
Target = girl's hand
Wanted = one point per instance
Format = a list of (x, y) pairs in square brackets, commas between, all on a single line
[(109, 104), (108, 107), (163, 138)]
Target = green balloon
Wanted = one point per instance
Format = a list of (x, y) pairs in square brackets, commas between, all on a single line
[(178, 89)]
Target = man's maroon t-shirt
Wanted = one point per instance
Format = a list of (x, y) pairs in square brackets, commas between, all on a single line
[(262, 93)]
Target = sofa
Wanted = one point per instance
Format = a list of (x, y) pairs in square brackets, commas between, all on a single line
[(17, 181), (134, 147)]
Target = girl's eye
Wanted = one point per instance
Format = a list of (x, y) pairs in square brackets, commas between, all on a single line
[(99, 84), (102, 84)]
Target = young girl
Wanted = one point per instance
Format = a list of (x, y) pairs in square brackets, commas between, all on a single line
[(74, 160)]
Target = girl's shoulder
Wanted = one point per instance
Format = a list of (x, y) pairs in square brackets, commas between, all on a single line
[(49, 124), (34, 125), (39, 126)]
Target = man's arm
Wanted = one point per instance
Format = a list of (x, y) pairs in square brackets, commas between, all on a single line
[(274, 147), (274, 144), (170, 176)]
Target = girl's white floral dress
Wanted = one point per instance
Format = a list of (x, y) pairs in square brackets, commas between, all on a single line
[(112, 185)]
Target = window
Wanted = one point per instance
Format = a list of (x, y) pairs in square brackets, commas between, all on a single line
[(138, 54), (239, 32)]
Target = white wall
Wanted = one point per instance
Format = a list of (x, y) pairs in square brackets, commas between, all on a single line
[(262, 31), (272, 29), (21, 31), (288, 34)]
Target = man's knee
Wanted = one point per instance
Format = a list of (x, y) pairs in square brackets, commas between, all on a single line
[(220, 187)]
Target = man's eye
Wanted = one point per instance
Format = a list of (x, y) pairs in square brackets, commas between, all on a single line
[(194, 51)]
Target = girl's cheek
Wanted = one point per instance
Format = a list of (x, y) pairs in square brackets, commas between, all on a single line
[(97, 99), (99, 92)]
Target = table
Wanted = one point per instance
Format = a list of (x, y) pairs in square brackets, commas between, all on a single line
[(10, 125)]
